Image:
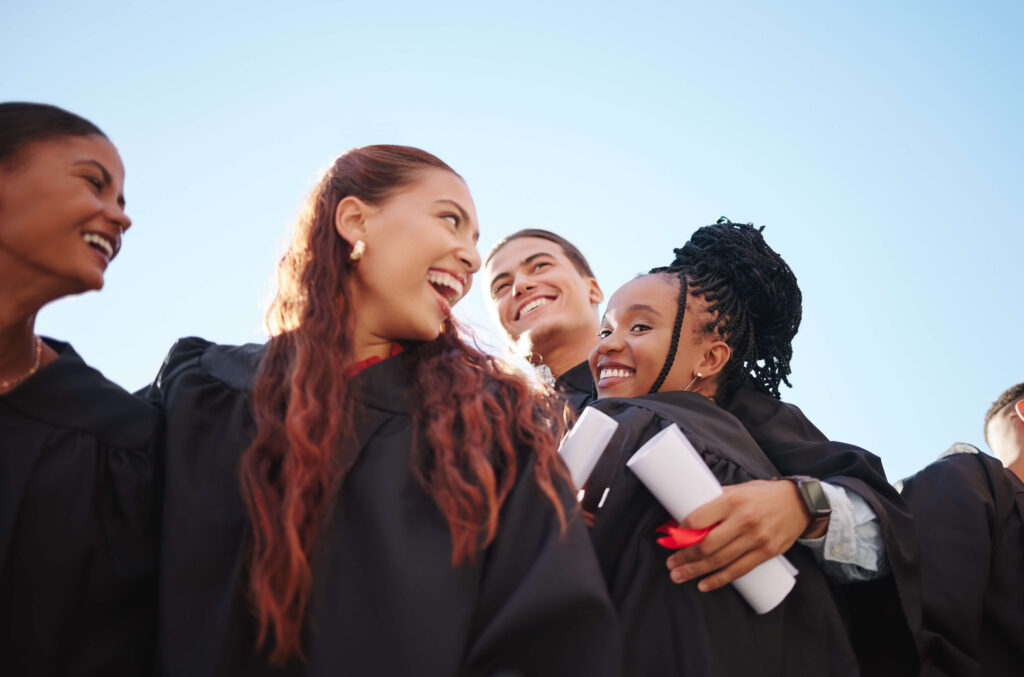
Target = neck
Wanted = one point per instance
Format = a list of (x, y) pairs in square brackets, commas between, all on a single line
[(1017, 467), (17, 341), (25, 293), (565, 355)]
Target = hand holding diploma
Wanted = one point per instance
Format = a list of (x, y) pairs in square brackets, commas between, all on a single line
[(677, 476), (755, 522)]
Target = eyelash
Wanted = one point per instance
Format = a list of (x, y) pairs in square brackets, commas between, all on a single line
[(96, 183), (605, 333), (454, 217)]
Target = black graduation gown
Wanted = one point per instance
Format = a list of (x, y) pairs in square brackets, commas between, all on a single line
[(884, 615), (577, 386), (78, 525), (386, 599), (970, 518), (673, 629)]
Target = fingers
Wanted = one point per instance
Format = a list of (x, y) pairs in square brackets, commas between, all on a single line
[(681, 569), (710, 513), (730, 573)]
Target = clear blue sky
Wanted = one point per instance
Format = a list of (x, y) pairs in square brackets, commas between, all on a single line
[(879, 142)]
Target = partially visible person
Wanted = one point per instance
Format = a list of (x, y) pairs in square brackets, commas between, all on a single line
[(78, 520), (656, 365), (1004, 429), (969, 509), (545, 296), (366, 494)]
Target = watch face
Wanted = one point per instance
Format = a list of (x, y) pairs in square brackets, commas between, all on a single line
[(814, 497)]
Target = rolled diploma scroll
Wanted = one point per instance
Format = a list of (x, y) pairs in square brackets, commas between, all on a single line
[(584, 444), (674, 472)]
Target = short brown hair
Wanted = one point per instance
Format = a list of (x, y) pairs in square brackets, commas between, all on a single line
[(571, 252), (1009, 396)]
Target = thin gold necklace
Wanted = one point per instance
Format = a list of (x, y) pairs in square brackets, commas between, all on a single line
[(9, 384)]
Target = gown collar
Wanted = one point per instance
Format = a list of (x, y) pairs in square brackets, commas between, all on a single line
[(68, 393)]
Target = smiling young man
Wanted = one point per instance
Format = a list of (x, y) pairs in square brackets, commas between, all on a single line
[(545, 296)]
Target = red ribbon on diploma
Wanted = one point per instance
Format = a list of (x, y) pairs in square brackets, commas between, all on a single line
[(677, 537)]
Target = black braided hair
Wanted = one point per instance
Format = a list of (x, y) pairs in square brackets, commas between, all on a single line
[(676, 328), (753, 298)]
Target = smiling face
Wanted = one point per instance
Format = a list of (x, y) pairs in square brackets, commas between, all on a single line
[(419, 260), (62, 211), (537, 293), (636, 332)]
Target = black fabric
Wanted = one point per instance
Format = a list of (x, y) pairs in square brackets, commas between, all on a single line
[(78, 524), (884, 615), (577, 385), (672, 629), (386, 599), (970, 519)]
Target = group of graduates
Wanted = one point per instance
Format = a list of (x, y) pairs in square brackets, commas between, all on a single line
[(368, 493)]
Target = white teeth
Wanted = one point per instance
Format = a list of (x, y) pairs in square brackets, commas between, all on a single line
[(533, 305), (101, 242), (616, 373), (448, 280)]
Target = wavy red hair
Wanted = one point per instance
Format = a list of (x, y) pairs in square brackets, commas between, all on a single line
[(471, 413)]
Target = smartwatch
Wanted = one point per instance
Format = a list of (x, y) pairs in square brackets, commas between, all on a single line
[(814, 498)]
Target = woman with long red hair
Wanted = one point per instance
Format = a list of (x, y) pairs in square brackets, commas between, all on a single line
[(366, 494)]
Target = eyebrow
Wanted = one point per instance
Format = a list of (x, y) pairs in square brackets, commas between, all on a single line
[(462, 213), (643, 307), (524, 262), (106, 177)]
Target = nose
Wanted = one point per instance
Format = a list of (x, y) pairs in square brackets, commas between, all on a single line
[(470, 258), (612, 343), (116, 214), (521, 284)]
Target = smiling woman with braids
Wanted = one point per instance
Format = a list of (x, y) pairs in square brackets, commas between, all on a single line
[(873, 551), (678, 344), (401, 509)]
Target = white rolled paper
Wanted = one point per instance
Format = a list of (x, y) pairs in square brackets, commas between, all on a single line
[(584, 444), (674, 472)]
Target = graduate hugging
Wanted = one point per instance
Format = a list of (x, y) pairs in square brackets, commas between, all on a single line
[(673, 344)]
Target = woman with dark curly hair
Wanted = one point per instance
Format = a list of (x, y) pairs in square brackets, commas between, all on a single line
[(366, 493), (709, 333), (78, 506)]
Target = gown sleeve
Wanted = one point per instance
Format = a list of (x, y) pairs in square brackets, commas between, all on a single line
[(970, 531), (884, 614), (543, 607)]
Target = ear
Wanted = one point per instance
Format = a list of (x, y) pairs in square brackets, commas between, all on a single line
[(594, 291), (350, 219), (716, 355), (1019, 409)]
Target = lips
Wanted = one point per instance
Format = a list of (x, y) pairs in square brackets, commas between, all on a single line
[(611, 373), (446, 283), (532, 305), (105, 244)]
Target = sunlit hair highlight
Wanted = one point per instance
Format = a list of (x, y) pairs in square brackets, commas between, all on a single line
[(470, 413)]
